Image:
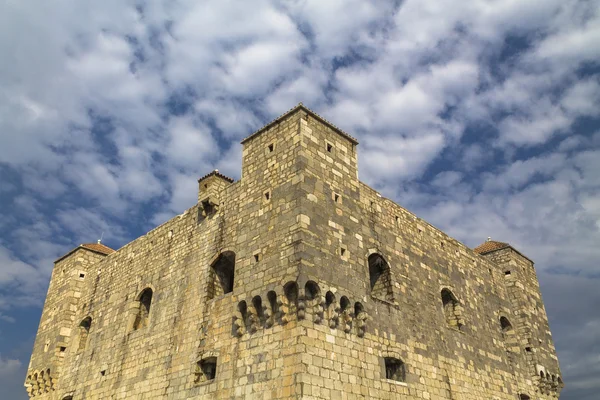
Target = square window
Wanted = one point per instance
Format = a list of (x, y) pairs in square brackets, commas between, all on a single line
[(82, 276)]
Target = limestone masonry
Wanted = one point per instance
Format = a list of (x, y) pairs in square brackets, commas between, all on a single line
[(296, 282)]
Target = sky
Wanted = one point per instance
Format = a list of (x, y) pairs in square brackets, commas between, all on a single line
[(482, 117)]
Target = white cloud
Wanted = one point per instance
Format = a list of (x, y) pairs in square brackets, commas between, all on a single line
[(8, 366), (457, 107)]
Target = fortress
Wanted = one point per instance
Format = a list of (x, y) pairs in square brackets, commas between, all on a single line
[(296, 282)]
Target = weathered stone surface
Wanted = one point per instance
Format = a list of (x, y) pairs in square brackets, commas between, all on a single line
[(336, 293)]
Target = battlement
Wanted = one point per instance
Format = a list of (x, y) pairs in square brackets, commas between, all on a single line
[(297, 281)]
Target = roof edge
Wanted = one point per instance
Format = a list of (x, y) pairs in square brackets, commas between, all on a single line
[(313, 114), (508, 246), (216, 173), (81, 246)]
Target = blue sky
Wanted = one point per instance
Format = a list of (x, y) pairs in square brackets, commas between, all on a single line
[(482, 117)]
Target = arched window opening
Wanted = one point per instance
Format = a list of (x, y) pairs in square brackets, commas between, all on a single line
[(380, 278), (257, 303), (505, 325), (560, 382), (243, 309), (345, 318), (358, 309), (329, 299), (330, 306), (361, 319), (84, 331), (273, 304), (42, 382), (291, 295), (524, 397), (311, 290), (542, 375), (395, 369), (49, 381), (312, 293), (206, 369), (222, 272), (344, 304), (452, 310), (144, 302)]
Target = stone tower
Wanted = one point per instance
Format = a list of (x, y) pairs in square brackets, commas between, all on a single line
[(296, 282)]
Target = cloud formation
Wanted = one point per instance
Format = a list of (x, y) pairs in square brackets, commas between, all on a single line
[(482, 117)]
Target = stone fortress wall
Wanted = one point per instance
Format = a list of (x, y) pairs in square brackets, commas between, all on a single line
[(297, 281)]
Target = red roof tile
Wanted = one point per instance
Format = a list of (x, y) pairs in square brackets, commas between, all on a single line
[(95, 247), (490, 245), (99, 247)]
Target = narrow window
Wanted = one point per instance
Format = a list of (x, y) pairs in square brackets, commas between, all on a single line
[(258, 307), (344, 304), (361, 317), (291, 294), (222, 273), (267, 195), (312, 293), (380, 278), (49, 382), (330, 307), (452, 309), (243, 309), (84, 331), (272, 298), (143, 312), (271, 148), (395, 369), (329, 147), (206, 369)]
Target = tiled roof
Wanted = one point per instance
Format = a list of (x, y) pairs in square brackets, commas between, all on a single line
[(95, 247), (490, 245), (217, 173), (99, 247), (313, 114)]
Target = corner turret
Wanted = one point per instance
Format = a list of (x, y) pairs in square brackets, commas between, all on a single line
[(70, 280), (537, 347)]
